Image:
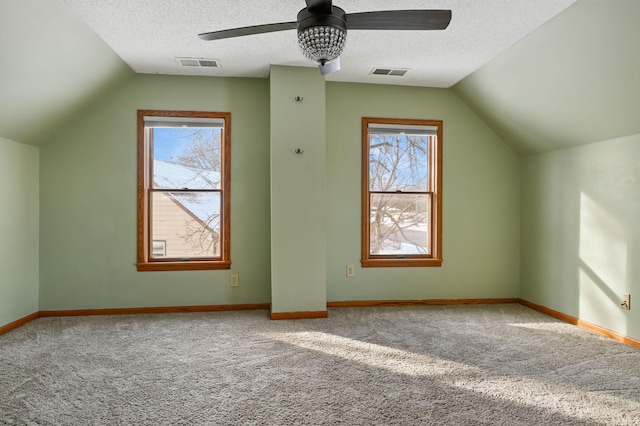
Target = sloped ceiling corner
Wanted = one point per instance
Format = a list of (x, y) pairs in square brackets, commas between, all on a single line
[(52, 65), (575, 80)]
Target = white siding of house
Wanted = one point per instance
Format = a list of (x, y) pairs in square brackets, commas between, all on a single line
[(171, 223)]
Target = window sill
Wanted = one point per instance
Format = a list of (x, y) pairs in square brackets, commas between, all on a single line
[(183, 266), (400, 263)]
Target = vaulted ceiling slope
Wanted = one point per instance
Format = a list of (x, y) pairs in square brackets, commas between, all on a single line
[(574, 81), (52, 65)]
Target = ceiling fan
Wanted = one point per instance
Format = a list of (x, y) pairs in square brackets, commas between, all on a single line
[(322, 28)]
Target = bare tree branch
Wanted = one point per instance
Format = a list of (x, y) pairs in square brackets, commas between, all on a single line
[(203, 152), (397, 163)]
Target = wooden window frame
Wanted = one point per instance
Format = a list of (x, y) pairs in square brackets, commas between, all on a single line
[(435, 161), (144, 245)]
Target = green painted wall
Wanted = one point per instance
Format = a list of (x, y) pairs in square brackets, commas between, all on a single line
[(298, 191), (581, 234), (88, 200), (481, 199), (19, 230)]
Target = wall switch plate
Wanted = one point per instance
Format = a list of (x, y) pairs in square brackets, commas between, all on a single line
[(625, 301), (351, 272), (234, 280)]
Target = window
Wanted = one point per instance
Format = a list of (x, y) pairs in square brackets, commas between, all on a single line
[(183, 190), (159, 249), (401, 192)]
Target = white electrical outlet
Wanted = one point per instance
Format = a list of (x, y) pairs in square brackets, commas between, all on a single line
[(625, 301), (234, 280), (351, 272)]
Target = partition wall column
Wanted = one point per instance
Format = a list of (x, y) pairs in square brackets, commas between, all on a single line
[(298, 193)]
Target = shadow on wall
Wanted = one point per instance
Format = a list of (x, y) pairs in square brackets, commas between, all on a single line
[(603, 264)]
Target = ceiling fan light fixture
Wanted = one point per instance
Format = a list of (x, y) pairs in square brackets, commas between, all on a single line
[(322, 35), (322, 28), (322, 44)]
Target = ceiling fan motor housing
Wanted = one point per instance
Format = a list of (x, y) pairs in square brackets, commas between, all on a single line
[(322, 36)]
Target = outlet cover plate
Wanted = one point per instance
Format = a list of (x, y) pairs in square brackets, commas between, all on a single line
[(351, 272), (625, 301)]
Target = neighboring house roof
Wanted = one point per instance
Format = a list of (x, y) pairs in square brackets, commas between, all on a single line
[(201, 205), (167, 174)]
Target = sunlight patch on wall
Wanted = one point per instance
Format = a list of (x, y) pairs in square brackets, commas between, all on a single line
[(603, 261)]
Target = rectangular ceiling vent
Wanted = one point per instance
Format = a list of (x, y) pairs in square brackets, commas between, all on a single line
[(198, 62), (399, 72)]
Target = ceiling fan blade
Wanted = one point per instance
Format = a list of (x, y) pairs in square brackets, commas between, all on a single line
[(330, 67), (399, 20), (243, 31), (319, 6)]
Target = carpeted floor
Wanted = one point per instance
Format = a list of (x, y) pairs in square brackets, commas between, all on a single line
[(432, 365)]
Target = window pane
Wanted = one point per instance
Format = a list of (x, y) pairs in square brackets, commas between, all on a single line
[(398, 162), (186, 158), (400, 224), (188, 223)]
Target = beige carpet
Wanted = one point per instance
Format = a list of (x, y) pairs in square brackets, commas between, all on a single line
[(434, 365)]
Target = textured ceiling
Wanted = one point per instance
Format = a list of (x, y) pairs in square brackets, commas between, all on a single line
[(149, 34)]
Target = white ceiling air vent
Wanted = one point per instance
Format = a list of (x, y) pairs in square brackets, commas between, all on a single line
[(390, 71), (198, 62)]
